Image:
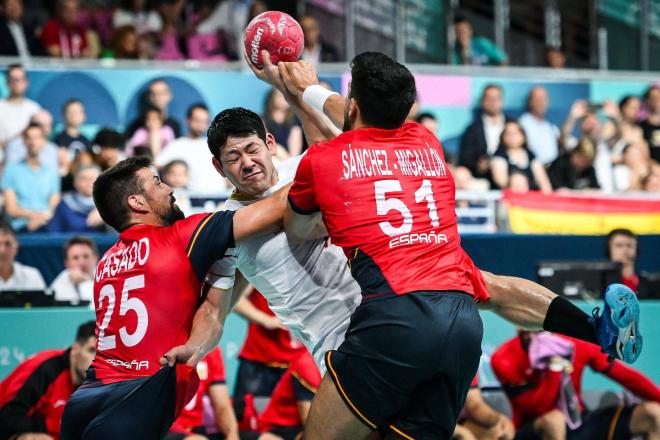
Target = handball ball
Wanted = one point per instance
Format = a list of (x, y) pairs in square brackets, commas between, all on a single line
[(276, 32)]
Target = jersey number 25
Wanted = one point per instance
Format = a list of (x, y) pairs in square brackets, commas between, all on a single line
[(107, 342)]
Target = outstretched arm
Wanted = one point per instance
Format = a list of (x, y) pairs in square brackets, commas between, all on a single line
[(261, 217)]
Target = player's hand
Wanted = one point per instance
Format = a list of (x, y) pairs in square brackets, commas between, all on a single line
[(77, 276), (273, 323), (182, 354), (270, 74), (34, 436), (298, 76)]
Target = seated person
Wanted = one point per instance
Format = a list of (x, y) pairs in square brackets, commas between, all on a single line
[(109, 145), (14, 275), (479, 420), (575, 169), (287, 411), (622, 247), (76, 211), (513, 156), (153, 134), (16, 150), (542, 376), (176, 173), (70, 140), (189, 425), (76, 282), (33, 396)]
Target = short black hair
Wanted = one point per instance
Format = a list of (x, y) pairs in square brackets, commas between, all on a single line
[(646, 95), (109, 138), (113, 187), (12, 67), (383, 88), (460, 18), (491, 86), (425, 115), (168, 166), (32, 125), (195, 106), (85, 331), (80, 239), (236, 121), (620, 231), (6, 228), (69, 102)]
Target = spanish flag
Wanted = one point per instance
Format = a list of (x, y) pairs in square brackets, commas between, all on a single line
[(534, 213)]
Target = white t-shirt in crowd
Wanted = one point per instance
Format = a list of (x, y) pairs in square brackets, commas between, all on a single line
[(202, 176), (144, 22), (65, 290), (23, 278), (493, 128), (542, 137), (15, 117)]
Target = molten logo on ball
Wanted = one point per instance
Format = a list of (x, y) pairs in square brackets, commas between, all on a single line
[(284, 41)]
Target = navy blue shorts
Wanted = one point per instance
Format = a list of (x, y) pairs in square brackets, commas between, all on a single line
[(407, 362), (254, 378), (134, 409)]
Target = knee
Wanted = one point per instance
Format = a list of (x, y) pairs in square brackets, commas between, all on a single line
[(551, 425), (646, 418)]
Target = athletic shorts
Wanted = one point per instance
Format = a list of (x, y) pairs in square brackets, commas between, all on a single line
[(407, 362), (254, 378), (612, 423), (143, 408)]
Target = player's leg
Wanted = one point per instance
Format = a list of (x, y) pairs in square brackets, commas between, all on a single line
[(531, 305), (645, 420), (551, 426)]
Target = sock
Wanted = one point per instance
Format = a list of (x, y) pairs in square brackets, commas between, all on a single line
[(567, 319)]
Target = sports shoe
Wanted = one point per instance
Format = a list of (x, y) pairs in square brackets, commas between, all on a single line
[(618, 326)]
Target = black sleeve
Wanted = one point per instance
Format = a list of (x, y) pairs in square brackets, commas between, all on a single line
[(210, 240), (593, 180), (34, 45), (556, 174), (303, 391), (469, 149)]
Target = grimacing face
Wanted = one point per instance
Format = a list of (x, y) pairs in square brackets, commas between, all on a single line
[(247, 162)]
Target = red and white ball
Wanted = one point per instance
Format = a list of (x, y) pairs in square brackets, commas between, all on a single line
[(278, 33)]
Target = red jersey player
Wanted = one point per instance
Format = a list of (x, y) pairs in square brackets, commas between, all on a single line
[(534, 393), (147, 292), (211, 372)]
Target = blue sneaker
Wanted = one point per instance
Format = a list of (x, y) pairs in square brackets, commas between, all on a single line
[(618, 326)]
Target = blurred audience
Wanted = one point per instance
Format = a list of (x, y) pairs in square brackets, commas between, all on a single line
[(154, 135), (158, 95), (478, 420), (316, 49), (71, 140), (124, 43), (651, 125), (474, 51), (635, 165), (176, 174), (622, 127), (481, 139), (651, 182), (109, 146), (429, 121), (33, 396), (193, 150), (17, 38), (63, 36), (554, 58), (76, 282), (31, 189), (514, 157), (14, 275), (15, 110), (542, 376), (76, 211), (622, 247), (139, 15), (16, 150), (542, 135), (282, 124), (574, 169)]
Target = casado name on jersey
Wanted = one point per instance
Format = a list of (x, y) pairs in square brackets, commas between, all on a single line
[(123, 260)]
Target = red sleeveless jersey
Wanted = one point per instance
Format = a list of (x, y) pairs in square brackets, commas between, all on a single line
[(387, 199), (147, 289)]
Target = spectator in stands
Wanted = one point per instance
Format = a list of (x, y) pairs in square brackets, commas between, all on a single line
[(211, 372), (316, 49), (70, 140), (158, 95), (514, 157), (173, 30), (16, 110), (288, 408), (176, 174), (554, 58), (154, 134), (76, 282), (622, 247), (16, 37), (16, 151), (33, 396), (429, 121), (109, 145), (651, 182), (14, 275), (542, 135), (574, 169), (478, 420), (62, 36), (474, 51), (138, 14), (635, 165), (622, 127), (124, 43), (76, 212), (542, 375), (590, 127), (31, 189), (192, 149), (282, 123), (481, 139), (651, 125)]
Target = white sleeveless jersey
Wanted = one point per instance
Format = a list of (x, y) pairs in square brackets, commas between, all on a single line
[(307, 285)]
